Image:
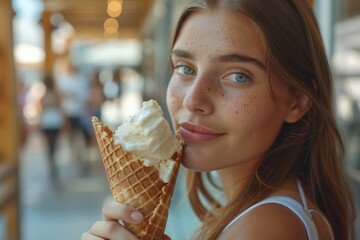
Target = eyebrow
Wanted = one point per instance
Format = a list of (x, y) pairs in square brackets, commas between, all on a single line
[(224, 58)]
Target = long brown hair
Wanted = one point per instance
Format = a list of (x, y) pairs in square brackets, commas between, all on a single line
[(310, 149)]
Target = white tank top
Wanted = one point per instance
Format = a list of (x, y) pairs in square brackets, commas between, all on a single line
[(300, 210)]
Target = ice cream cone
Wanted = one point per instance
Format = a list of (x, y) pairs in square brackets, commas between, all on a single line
[(136, 185)]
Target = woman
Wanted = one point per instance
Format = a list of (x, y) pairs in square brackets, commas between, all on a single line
[(51, 122), (251, 93)]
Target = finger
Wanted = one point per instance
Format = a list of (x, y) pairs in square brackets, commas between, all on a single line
[(119, 211), (111, 230), (89, 236)]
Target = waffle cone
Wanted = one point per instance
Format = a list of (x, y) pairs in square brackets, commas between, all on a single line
[(136, 185)]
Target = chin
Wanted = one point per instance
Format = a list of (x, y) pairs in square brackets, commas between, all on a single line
[(196, 164)]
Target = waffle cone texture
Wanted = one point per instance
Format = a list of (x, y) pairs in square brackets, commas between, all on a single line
[(136, 185)]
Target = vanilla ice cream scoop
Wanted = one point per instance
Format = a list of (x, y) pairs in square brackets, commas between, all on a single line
[(148, 136)]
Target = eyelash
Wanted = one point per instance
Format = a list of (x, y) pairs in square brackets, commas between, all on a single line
[(228, 77), (179, 67)]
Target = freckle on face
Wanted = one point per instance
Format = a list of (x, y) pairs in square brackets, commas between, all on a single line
[(243, 105)]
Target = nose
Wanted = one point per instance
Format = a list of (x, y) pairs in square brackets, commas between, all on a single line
[(199, 97)]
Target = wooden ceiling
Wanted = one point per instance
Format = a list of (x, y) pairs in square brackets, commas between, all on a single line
[(88, 16), (350, 8)]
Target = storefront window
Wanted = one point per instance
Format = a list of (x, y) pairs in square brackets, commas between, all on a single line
[(346, 64), (346, 68)]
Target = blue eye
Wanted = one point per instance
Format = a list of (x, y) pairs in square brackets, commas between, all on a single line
[(239, 77), (184, 70)]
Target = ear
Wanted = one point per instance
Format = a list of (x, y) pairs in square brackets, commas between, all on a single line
[(300, 105)]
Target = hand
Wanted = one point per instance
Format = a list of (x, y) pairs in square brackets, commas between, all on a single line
[(110, 228)]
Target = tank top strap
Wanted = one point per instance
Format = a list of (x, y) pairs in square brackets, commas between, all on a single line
[(310, 211), (302, 195), (291, 204)]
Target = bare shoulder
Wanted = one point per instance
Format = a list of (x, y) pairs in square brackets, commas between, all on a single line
[(268, 221)]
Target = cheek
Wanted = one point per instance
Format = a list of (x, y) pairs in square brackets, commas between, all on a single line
[(173, 97), (252, 112), (243, 108)]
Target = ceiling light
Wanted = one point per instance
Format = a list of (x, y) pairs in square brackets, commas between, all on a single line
[(111, 25), (114, 8)]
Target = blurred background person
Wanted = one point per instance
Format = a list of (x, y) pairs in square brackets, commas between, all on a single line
[(51, 123), (95, 99), (73, 89)]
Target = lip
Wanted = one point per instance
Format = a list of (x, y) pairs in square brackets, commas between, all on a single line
[(197, 133)]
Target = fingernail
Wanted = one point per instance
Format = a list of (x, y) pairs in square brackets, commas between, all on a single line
[(136, 216)]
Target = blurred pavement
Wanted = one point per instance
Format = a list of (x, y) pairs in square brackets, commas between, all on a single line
[(58, 210)]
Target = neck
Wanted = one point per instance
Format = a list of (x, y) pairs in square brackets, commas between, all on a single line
[(235, 178)]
